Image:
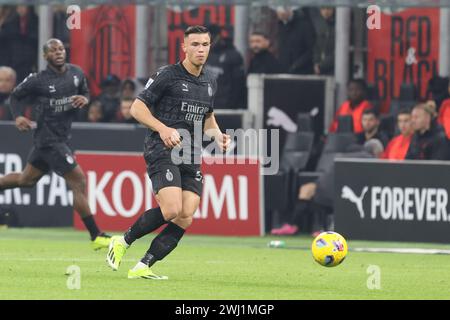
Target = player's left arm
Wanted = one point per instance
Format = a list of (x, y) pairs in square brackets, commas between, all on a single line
[(212, 129), (82, 98)]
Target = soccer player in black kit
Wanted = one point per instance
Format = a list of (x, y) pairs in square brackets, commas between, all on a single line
[(178, 98), (58, 92)]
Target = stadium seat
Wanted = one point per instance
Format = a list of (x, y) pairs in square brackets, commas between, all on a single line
[(373, 92), (296, 151), (338, 142), (397, 105), (388, 125), (408, 92), (294, 158), (373, 95), (407, 98), (304, 122), (335, 143), (298, 141)]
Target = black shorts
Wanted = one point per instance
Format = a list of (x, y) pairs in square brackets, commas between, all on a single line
[(164, 173), (58, 158)]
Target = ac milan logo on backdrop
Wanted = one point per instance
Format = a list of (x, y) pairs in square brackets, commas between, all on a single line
[(111, 49)]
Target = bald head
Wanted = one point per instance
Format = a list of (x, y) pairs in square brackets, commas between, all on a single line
[(7, 80)]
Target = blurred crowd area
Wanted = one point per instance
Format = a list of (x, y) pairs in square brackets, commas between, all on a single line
[(281, 39), (310, 31)]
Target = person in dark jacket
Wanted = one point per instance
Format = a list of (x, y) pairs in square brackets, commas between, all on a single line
[(295, 41), (227, 65), (23, 34), (262, 61), (370, 122), (324, 27), (7, 12), (110, 97), (429, 141)]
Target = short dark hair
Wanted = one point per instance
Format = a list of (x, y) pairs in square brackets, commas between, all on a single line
[(361, 82), (128, 82), (259, 33), (404, 111), (195, 30), (372, 112), (47, 44)]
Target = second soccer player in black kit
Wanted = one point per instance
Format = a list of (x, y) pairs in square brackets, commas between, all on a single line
[(178, 98), (57, 92)]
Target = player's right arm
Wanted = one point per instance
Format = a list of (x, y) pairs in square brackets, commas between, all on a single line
[(142, 113), (150, 97), (25, 88)]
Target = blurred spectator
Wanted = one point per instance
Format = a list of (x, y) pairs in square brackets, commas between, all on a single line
[(6, 15), (262, 61), (110, 97), (23, 35), (128, 89), (429, 141), (7, 84), (444, 114), (371, 123), (323, 52), (60, 30), (227, 64), (398, 146), (95, 112), (354, 106), (124, 114), (295, 41)]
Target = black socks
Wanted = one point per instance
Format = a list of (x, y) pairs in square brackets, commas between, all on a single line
[(163, 244), (90, 224), (149, 221)]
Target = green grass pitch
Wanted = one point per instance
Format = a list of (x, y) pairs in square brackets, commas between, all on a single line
[(33, 263)]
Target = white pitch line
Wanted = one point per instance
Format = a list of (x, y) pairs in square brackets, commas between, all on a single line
[(402, 250), (56, 259)]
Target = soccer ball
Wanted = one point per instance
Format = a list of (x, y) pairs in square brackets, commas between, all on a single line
[(329, 249)]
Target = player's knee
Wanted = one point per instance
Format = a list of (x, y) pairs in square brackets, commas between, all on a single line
[(171, 211), (186, 222), (183, 221)]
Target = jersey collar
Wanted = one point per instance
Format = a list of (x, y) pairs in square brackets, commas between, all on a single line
[(188, 73), (49, 69)]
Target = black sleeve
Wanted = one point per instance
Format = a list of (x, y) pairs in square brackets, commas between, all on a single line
[(439, 150), (25, 89), (304, 62), (214, 90), (412, 149), (155, 87)]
